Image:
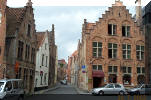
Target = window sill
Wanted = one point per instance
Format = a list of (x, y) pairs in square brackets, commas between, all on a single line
[(113, 58), (98, 57), (112, 35), (127, 59)]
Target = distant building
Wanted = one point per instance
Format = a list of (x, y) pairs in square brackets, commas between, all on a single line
[(74, 68), (42, 61), (147, 31), (62, 70), (2, 38), (111, 50), (21, 45)]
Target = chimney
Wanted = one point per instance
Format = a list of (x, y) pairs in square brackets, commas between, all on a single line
[(138, 12), (29, 3)]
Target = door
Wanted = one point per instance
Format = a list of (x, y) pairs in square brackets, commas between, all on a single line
[(109, 89), (9, 91), (96, 82), (117, 88)]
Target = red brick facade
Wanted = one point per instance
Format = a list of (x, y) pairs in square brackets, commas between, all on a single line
[(2, 36), (119, 16)]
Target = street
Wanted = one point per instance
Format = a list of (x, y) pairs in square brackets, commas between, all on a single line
[(68, 92), (63, 89)]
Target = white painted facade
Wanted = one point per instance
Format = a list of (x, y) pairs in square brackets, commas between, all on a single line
[(42, 64)]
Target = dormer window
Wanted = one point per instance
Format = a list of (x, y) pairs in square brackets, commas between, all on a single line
[(29, 30)]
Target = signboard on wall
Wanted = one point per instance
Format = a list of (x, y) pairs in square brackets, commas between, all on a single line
[(83, 67)]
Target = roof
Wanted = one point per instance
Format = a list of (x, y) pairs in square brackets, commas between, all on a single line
[(14, 16), (75, 53), (40, 38)]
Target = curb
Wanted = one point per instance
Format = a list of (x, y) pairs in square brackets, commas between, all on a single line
[(43, 91), (80, 91)]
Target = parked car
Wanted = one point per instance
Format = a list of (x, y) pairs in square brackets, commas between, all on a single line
[(113, 88), (140, 89), (64, 82), (11, 89)]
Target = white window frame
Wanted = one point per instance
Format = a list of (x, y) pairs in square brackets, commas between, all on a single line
[(141, 69), (140, 52), (126, 30), (127, 69), (97, 47), (112, 29), (97, 67), (126, 49), (113, 69), (113, 49)]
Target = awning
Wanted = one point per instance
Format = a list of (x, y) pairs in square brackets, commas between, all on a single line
[(98, 74)]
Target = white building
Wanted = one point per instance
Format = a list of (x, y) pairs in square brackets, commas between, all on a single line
[(42, 61)]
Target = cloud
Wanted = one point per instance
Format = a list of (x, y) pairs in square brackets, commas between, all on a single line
[(73, 2)]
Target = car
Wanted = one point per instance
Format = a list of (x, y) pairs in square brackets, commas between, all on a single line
[(112, 88), (64, 82), (11, 89), (140, 89)]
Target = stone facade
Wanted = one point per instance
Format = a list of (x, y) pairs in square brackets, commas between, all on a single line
[(21, 45), (114, 45), (2, 37)]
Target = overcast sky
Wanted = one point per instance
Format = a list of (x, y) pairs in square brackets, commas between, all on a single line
[(68, 16)]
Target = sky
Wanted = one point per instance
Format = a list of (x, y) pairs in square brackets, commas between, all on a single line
[(68, 17)]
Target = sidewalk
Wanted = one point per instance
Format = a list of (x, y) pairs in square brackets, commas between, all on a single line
[(81, 92), (46, 90)]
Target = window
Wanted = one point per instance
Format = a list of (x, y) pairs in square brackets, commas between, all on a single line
[(15, 84), (8, 86), (33, 54), (20, 50), (45, 46), (46, 60), (29, 30), (140, 52), (97, 49), (126, 51), (141, 70), (112, 69), (117, 86), (112, 50), (112, 29), (127, 69), (27, 53), (110, 86), (126, 31), (97, 67), (42, 60)]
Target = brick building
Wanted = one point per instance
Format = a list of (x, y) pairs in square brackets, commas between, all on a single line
[(20, 45), (2, 37), (111, 50)]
